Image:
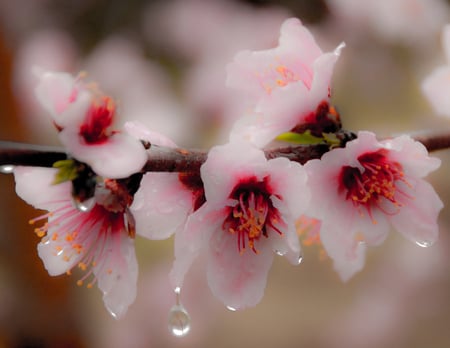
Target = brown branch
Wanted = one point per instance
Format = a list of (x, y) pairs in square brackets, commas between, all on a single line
[(163, 159)]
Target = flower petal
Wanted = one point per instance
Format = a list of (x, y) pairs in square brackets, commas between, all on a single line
[(118, 281), (238, 280), (64, 99), (35, 186), (188, 242), (417, 220), (161, 205), (118, 157)]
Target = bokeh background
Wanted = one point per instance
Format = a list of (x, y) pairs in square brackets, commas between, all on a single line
[(164, 61)]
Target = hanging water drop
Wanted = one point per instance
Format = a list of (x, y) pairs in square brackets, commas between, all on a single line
[(300, 259), (280, 253), (179, 319), (84, 206), (424, 244), (231, 308), (7, 168)]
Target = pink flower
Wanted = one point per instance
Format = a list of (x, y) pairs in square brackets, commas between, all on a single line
[(436, 86), (99, 242), (250, 211), (163, 201), (84, 117), (362, 189), (285, 85)]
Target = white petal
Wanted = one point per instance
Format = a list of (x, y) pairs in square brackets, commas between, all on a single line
[(118, 157), (34, 185), (118, 282), (161, 205)]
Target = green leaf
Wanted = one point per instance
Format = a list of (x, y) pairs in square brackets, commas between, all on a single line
[(305, 138), (67, 171)]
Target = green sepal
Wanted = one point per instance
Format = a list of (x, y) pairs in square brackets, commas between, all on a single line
[(67, 171), (305, 138), (331, 139)]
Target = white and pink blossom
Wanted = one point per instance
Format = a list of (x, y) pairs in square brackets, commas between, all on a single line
[(84, 118), (249, 215), (99, 242), (163, 201), (361, 190), (436, 86), (284, 85)]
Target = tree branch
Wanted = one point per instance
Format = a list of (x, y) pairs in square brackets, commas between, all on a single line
[(163, 159)]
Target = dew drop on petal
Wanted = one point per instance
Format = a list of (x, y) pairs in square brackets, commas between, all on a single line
[(179, 321), (84, 206), (300, 259), (7, 168), (424, 244), (231, 308), (280, 253)]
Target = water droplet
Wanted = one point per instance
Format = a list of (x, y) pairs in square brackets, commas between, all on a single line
[(6, 169), (424, 244), (300, 259), (280, 253), (179, 321), (84, 206), (231, 308)]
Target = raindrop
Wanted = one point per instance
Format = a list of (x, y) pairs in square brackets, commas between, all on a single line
[(280, 253), (84, 206), (300, 259), (6, 169), (423, 244), (179, 321), (231, 308)]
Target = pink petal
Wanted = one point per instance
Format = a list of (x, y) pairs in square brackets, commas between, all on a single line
[(195, 236), (54, 261), (289, 180), (161, 205), (118, 281), (342, 247), (140, 132), (224, 168), (417, 220), (412, 155), (64, 99), (118, 157), (288, 244), (237, 280), (35, 186)]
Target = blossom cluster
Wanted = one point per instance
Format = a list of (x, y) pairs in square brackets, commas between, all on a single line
[(241, 208)]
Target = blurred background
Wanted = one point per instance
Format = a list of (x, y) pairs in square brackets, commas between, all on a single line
[(164, 61)]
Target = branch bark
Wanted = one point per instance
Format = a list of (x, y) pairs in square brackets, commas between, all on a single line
[(163, 159)]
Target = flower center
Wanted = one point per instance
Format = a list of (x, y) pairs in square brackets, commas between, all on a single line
[(253, 214), (325, 119), (376, 185), (99, 118), (113, 195), (86, 239)]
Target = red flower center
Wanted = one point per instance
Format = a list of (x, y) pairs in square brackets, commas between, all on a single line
[(377, 185), (99, 118), (253, 215)]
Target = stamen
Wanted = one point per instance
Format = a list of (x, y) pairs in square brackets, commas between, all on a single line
[(376, 185)]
